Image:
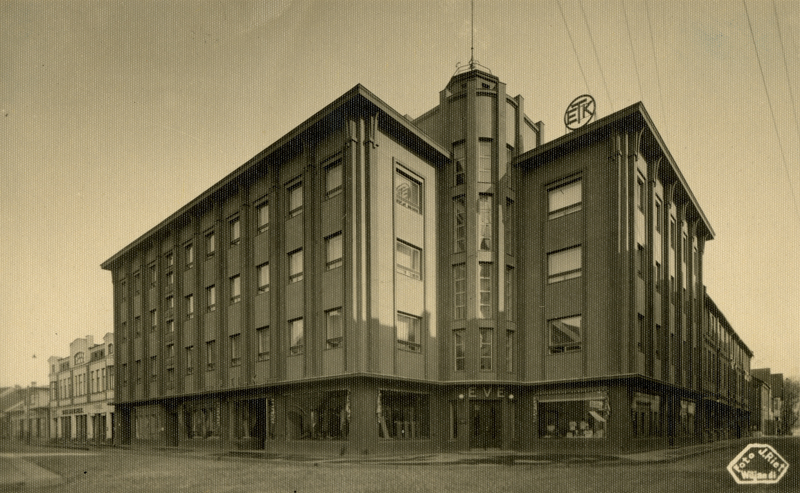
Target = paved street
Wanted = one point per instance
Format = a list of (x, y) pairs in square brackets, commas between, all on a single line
[(700, 468)]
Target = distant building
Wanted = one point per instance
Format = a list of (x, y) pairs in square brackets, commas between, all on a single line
[(761, 419), (775, 402), (82, 391), (24, 413), (369, 283)]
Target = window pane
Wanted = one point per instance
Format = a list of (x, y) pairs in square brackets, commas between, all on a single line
[(210, 244), (296, 336), (408, 332), (333, 179), (333, 247), (295, 199), (334, 327), (485, 162), (564, 199), (263, 277), (487, 336), (211, 298), (408, 192), (460, 164), (460, 291), (235, 230), (459, 224), (264, 343), (296, 266), (485, 293), (236, 289), (263, 216), (485, 223), (565, 334), (459, 355), (409, 260), (565, 264)]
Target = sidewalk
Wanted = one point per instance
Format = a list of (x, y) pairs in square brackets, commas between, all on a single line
[(17, 473)]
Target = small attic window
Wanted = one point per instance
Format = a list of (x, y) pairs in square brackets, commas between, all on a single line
[(486, 86)]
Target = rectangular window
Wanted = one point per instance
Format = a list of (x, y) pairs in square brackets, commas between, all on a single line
[(264, 343), (408, 332), (640, 262), (487, 351), (658, 219), (211, 355), (137, 283), (511, 228), (485, 223), (642, 335), (294, 194), (565, 334), (139, 371), (510, 293), (459, 164), (409, 260), (334, 328), (263, 277), (189, 360), (333, 179), (485, 161), (408, 191), (564, 199), (236, 349), (672, 236), (170, 259), (170, 376), (640, 196), (153, 275), (235, 229), (403, 415), (296, 339), (459, 353), (459, 224), (262, 216), (123, 290), (460, 291), (296, 266), (137, 326), (153, 320), (511, 347), (236, 288), (564, 264), (189, 306), (211, 244), (485, 290), (170, 326), (170, 278), (170, 350), (657, 275), (189, 255), (333, 251), (211, 298)]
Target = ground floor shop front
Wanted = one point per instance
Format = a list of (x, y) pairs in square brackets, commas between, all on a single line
[(85, 423), (367, 415)]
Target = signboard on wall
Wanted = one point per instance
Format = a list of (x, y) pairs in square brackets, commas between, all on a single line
[(579, 112)]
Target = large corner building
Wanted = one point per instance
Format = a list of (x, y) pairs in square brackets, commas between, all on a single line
[(373, 284)]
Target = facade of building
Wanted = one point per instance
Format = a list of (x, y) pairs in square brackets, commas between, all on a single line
[(82, 392), (773, 417), (761, 421), (373, 284), (24, 413)]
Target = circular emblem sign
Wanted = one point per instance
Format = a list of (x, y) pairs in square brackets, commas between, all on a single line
[(579, 112), (758, 463)]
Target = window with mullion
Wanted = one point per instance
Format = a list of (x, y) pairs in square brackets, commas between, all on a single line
[(408, 332), (459, 224), (485, 290), (459, 353), (487, 342)]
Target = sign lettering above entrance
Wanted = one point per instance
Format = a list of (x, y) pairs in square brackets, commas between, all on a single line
[(758, 464), (486, 392), (579, 112)]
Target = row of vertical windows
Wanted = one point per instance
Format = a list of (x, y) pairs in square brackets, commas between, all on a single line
[(485, 285), (484, 167)]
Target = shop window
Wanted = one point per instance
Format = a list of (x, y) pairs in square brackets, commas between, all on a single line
[(573, 418), (564, 199), (202, 420), (646, 415), (565, 334), (688, 410), (403, 415), (318, 415), (250, 419)]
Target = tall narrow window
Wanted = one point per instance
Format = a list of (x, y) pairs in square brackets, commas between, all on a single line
[(263, 277), (211, 355), (236, 289), (189, 306), (409, 260), (189, 251), (333, 251), (235, 230), (459, 354), (487, 351), (137, 283), (640, 262), (564, 199), (211, 298), (564, 264), (459, 224), (511, 227), (170, 326), (123, 290), (211, 244), (153, 320), (510, 293), (657, 275), (333, 179), (485, 161), (459, 164), (640, 196), (262, 214), (672, 235), (408, 332), (296, 339), (485, 223), (511, 348), (264, 343), (408, 191), (460, 291), (658, 213), (642, 335), (296, 266), (295, 198), (137, 326), (236, 349), (153, 275), (334, 328), (565, 334), (485, 290)]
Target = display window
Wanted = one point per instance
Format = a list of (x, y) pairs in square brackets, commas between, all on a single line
[(321, 415), (403, 415), (573, 417)]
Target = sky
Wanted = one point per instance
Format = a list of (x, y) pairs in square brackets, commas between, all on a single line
[(115, 114)]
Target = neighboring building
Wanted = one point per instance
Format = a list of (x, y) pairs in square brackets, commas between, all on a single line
[(761, 420), (82, 391), (369, 284), (775, 383), (24, 413)]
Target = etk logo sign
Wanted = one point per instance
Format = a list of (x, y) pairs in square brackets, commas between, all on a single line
[(758, 464)]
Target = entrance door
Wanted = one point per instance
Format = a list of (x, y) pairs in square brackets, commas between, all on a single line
[(486, 424)]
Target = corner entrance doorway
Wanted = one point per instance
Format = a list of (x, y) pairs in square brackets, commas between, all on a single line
[(486, 428)]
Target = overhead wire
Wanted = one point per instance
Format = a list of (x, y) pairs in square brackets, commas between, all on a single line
[(596, 56), (633, 51), (574, 50), (786, 71), (655, 60), (772, 112)]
